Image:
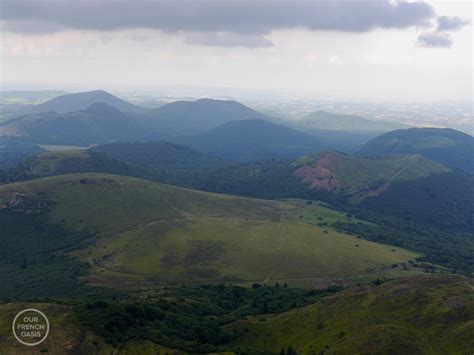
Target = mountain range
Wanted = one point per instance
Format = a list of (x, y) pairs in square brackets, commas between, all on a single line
[(224, 128)]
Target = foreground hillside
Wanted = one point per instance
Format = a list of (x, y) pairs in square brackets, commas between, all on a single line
[(426, 315), (445, 146), (420, 315), (113, 229)]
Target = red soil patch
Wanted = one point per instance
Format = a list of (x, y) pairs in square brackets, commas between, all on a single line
[(320, 174)]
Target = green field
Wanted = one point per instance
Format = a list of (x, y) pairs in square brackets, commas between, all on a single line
[(236, 250), (152, 232)]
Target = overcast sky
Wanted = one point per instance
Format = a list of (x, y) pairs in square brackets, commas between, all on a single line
[(368, 49)]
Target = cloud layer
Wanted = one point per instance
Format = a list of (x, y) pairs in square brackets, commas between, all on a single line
[(446, 23), (435, 40), (228, 23), (215, 22), (440, 38)]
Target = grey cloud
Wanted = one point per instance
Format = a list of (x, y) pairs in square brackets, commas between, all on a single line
[(251, 18), (435, 40), (446, 23)]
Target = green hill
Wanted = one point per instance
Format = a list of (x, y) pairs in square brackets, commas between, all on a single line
[(255, 139), (130, 229), (161, 155), (79, 101), (319, 174), (351, 175), (339, 122), (426, 315), (100, 123), (52, 163), (194, 117), (445, 146)]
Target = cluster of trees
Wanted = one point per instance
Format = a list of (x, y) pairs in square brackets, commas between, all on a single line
[(263, 179), (453, 250), (443, 201), (92, 161), (33, 259), (188, 317), (13, 151)]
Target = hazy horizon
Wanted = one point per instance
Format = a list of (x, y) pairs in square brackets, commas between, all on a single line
[(358, 50)]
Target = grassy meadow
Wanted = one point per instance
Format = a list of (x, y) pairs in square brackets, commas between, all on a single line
[(152, 232)]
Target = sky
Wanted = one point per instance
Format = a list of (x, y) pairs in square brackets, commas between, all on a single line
[(367, 49)]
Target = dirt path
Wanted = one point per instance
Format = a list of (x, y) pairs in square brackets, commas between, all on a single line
[(387, 182), (404, 168)]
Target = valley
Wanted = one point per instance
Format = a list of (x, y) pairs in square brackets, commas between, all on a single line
[(291, 177), (208, 227)]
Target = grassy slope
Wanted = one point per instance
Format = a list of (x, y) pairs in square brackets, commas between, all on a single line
[(159, 232), (210, 248), (431, 315)]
